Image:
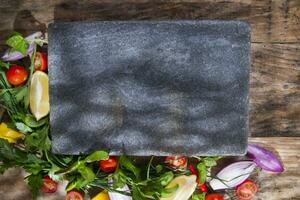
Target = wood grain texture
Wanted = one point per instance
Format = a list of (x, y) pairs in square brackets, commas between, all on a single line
[(271, 20)]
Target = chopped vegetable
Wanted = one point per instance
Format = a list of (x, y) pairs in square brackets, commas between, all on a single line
[(39, 95), (102, 196), (108, 165), (176, 162), (202, 187), (186, 186), (232, 175), (41, 61), (246, 190), (49, 185), (74, 195), (265, 159), (214, 196), (16, 75), (8, 134)]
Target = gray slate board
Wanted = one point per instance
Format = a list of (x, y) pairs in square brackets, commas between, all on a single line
[(149, 88)]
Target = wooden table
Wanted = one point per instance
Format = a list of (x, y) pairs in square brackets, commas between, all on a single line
[(275, 71)]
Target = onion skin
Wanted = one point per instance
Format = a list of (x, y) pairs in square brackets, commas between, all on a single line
[(233, 175), (265, 159)]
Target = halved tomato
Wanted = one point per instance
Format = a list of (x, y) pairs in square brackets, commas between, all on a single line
[(49, 185), (41, 61), (176, 162), (214, 196), (246, 190), (74, 195)]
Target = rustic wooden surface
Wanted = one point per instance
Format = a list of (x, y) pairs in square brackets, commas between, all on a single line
[(274, 78)]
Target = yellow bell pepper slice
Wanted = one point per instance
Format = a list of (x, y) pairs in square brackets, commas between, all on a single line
[(8, 134), (102, 196)]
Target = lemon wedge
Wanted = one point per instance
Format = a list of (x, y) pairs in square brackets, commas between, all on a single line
[(39, 95), (101, 196), (186, 187)]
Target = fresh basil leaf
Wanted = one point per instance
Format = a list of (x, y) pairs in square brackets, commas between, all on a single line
[(127, 164), (35, 183), (199, 196), (23, 127), (96, 156), (4, 65), (18, 43), (201, 172), (209, 162)]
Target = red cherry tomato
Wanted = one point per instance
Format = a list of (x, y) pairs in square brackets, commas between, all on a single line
[(214, 196), (16, 75), (41, 61), (109, 165), (49, 185), (176, 162), (246, 190), (74, 195), (202, 187)]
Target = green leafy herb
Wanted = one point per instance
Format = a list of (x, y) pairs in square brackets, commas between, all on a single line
[(23, 127), (201, 172), (209, 162), (35, 183), (199, 196), (96, 156), (18, 43), (4, 65), (127, 164), (38, 140)]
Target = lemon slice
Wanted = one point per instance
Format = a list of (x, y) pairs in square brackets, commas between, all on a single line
[(102, 196), (186, 187), (39, 95)]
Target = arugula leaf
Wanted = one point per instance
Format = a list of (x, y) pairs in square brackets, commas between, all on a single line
[(35, 183), (30, 121), (18, 43), (119, 179), (199, 196), (4, 64), (202, 172), (86, 172), (23, 128), (127, 164), (96, 156)]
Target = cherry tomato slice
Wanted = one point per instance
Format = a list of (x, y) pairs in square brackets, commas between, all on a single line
[(109, 165), (202, 187), (246, 190), (74, 195), (41, 61), (176, 162), (16, 75), (49, 185), (214, 196)]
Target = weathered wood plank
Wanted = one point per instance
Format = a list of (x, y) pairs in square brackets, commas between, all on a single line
[(275, 90), (271, 20)]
